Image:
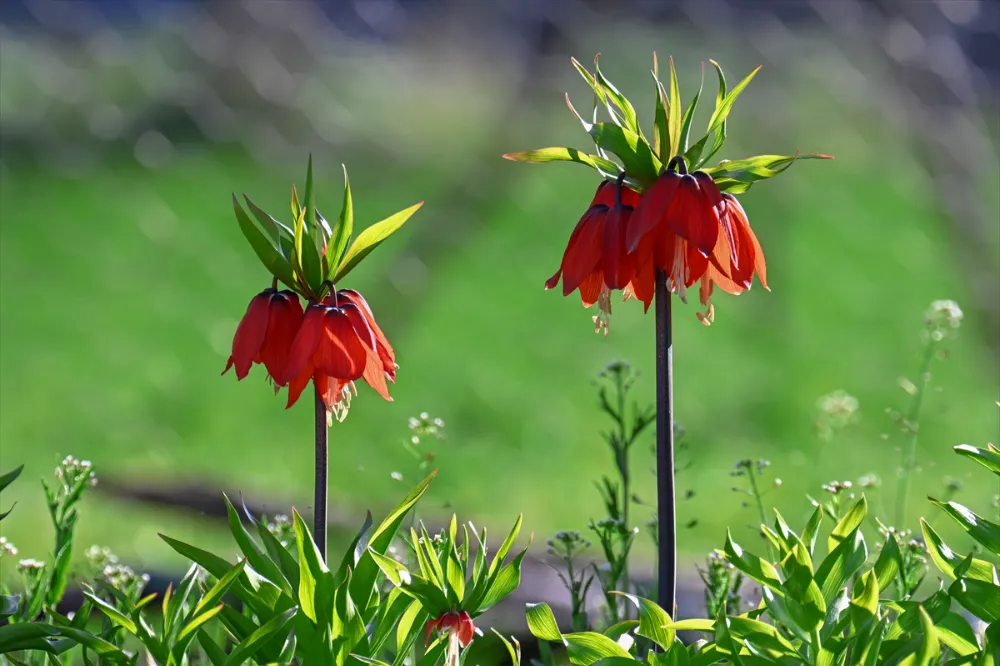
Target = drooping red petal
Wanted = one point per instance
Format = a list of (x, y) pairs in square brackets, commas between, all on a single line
[(283, 322), (605, 195), (643, 285), (630, 198), (583, 254), (466, 629), (298, 384), (304, 345), (651, 208), (618, 264), (431, 626), (385, 350), (692, 217), (374, 371), (340, 353), (250, 334), (590, 288), (751, 257)]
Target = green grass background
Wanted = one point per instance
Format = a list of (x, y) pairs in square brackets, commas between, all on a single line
[(120, 291)]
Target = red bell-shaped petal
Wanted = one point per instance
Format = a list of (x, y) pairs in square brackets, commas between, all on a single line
[(618, 264), (374, 371), (385, 351), (339, 353), (250, 334), (300, 357), (583, 253), (283, 321), (691, 216), (466, 629), (652, 207)]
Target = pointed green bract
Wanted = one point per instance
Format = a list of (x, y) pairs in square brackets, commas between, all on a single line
[(371, 238), (618, 105), (688, 117), (633, 151), (674, 111), (982, 530), (341, 236), (266, 251), (563, 154)]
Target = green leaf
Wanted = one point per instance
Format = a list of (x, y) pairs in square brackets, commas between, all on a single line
[(761, 635), (215, 653), (864, 604), (980, 529), (187, 633), (513, 647), (811, 531), (505, 547), (408, 625), (889, 562), (214, 595), (803, 597), (845, 527), (255, 556), (563, 154), (694, 624), (956, 634), (689, 115), (266, 251), (841, 564), (632, 150), (654, 622), (661, 130), (112, 613), (430, 596), (730, 173), (929, 648), (255, 641), (588, 647), (337, 244), (502, 583), (947, 560), (280, 554), (219, 567), (868, 649), (280, 233), (542, 623), (310, 196), (750, 565), (674, 117), (988, 458), (980, 598), (60, 573), (366, 571), (312, 568), (9, 477), (724, 106), (395, 571), (371, 238), (618, 106)]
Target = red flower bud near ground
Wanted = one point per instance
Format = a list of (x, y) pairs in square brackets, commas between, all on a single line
[(453, 622), (337, 343), (265, 334), (596, 259)]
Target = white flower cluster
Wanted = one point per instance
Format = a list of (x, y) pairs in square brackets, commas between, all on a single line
[(71, 470), (7, 547), (943, 317)]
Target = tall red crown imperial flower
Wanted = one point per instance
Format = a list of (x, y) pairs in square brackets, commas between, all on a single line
[(662, 220), (332, 342)]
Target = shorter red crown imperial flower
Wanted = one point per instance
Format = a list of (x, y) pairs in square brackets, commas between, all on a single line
[(596, 260), (265, 333), (338, 343), (457, 626)]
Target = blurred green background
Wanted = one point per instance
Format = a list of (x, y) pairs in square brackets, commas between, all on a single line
[(123, 273)]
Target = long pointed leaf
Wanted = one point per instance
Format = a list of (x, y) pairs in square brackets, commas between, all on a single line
[(371, 238)]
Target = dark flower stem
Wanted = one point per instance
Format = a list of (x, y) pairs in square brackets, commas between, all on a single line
[(665, 494), (319, 497)]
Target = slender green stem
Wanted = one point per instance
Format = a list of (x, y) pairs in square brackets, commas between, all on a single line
[(912, 424), (626, 476), (762, 514)]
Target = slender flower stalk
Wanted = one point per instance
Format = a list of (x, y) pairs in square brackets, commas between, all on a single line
[(666, 500), (321, 484)]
